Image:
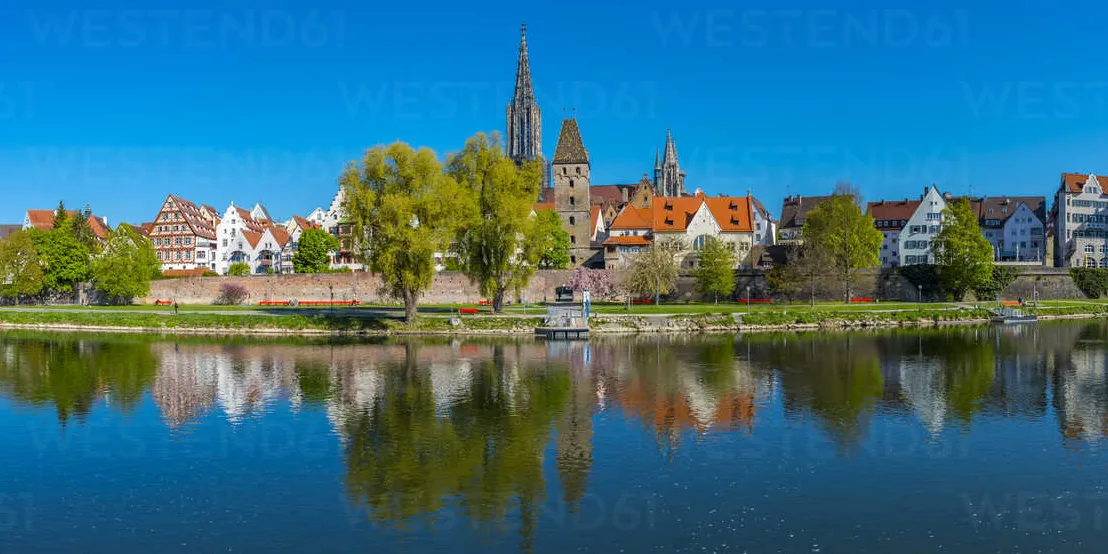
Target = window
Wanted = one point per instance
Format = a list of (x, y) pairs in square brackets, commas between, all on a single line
[(698, 242), (188, 255), (572, 201), (578, 170), (572, 220), (573, 259), (1089, 249), (200, 255), (934, 216), (571, 183), (572, 239), (225, 242)]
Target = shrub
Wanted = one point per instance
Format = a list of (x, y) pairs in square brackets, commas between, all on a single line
[(923, 275), (1002, 277), (239, 269), (1092, 281), (231, 295)]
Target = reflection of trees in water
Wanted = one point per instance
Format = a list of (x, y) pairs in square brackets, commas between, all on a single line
[(406, 455), (836, 378), (72, 374)]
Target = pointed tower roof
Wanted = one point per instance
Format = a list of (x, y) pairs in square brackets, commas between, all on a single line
[(523, 70), (570, 149), (657, 159), (671, 148)]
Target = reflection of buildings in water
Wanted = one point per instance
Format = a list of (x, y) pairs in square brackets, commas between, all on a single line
[(923, 384), (1080, 392), (186, 383)]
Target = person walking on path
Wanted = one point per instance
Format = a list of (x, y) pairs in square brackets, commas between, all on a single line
[(175, 307)]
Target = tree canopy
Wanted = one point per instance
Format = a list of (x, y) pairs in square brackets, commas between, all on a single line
[(498, 243), (654, 271), (126, 266), (403, 210), (239, 269), (65, 259), (963, 254), (553, 240), (20, 268), (313, 251), (845, 237), (715, 270)]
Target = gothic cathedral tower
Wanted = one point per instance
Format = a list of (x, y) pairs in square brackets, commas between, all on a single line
[(571, 191), (524, 139), (669, 180)]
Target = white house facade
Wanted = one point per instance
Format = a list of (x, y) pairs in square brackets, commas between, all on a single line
[(916, 240), (1080, 218)]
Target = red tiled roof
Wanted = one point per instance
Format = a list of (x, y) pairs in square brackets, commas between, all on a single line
[(280, 235), (732, 213), (540, 206), (627, 240), (673, 214), (1075, 182), (304, 223), (44, 221), (632, 218), (251, 237), (892, 210)]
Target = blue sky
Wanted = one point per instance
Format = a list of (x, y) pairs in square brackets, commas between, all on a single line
[(120, 105)]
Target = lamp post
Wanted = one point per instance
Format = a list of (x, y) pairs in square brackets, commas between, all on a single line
[(332, 287), (919, 299), (748, 299)]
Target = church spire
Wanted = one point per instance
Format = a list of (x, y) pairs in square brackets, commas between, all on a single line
[(657, 160), (524, 137), (668, 178), (671, 148)]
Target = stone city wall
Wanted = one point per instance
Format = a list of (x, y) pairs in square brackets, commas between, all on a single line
[(452, 287)]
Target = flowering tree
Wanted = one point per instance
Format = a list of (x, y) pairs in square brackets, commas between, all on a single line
[(596, 281)]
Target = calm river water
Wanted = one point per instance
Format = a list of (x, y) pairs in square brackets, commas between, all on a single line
[(958, 440)]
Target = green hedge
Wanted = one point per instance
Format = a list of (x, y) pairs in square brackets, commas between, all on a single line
[(1092, 281)]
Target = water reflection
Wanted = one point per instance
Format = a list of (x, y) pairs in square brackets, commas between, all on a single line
[(435, 429)]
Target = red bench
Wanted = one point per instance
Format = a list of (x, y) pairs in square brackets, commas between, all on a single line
[(467, 310), (328, 303), (273, 303), (860, 300), (755, 301), (163, 302), (1010, 304), (642, 301)]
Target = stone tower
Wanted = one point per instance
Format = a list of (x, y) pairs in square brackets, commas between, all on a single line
[(571, 177), (669, 180), (524, 139)]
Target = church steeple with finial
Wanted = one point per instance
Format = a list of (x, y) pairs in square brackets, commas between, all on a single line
[(669, 180), (524, 137)]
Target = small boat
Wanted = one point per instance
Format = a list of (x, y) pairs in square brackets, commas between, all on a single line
[(1011, 316)]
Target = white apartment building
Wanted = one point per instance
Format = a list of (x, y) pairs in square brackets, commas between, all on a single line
[(916, 240), (1080, 217), (1015, 226), (890, 217)]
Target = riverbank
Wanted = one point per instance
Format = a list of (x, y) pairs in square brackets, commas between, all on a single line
[(381, 322)]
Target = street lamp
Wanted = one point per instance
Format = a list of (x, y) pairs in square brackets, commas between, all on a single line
[(332, 287), (748, 299), (919, 299)]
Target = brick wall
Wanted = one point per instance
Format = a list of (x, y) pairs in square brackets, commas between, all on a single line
[(448, 287), (453, 287)]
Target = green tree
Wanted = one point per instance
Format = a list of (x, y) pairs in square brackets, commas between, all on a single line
[(20, 268), (126, 266), (654, 271), (963, 254), (553, 240), (239, 269), (498, 246), (1002, 276), (845, 237), (313, 251), (80, 227), (61, 215), (403, 210), (65, 260), (715, 271)]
